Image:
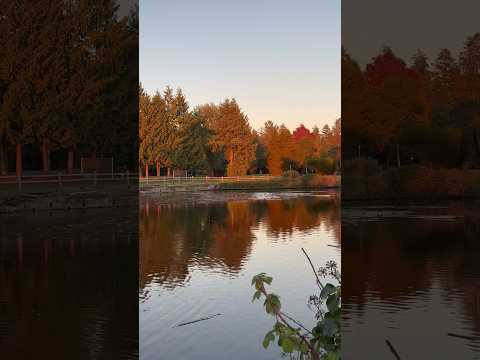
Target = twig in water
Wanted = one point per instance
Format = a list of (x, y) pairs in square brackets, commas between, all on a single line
[(392, 349), (471, 338), (195, 321), (319, 283), (296, 322)]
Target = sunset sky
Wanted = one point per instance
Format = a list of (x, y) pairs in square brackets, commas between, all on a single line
[(280, 59), (369, 25)]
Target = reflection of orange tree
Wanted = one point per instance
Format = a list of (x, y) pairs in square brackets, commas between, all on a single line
[(233, 239), (302, 215), (219, 236), (393, 260), (170, 239)]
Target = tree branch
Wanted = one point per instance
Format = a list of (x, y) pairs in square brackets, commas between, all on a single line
[(319, 283)]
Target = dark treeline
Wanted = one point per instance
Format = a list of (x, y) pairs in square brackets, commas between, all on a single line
[(66, 74), (426, 113), (218, 140)]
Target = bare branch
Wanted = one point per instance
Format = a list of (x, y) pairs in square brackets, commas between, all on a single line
[(319, 283)]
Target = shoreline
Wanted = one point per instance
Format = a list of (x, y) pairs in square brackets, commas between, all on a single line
[(105, 198), (213, 197), (58, 201)]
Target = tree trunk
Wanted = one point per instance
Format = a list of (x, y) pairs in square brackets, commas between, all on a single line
[(168, 172), (18, 162), (146, 170), (45, 157), (158, 169), (70, 161), (398, 155), (3, 160), (230, 163), (94, 159)]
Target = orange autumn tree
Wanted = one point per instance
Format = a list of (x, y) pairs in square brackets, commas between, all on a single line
[(234, 136), (217, 139), (280, 147), (304, 142)]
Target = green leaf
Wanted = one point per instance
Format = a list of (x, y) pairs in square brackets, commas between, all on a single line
[(330, 327), (272, 304), (267, 280), (268, 338), (335, 355), (327, 291), (256, 295), (304, 348), (332, 303), (287, 345)]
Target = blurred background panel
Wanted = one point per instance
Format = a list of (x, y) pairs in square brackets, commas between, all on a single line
[(68, 179), (410, 179)]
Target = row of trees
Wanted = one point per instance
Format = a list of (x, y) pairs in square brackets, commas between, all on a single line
[(218, 140), (426, 113), (66, 80)]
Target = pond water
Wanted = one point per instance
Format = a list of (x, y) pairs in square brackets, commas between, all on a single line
[(411, 275), (68, 285), (197, 261)]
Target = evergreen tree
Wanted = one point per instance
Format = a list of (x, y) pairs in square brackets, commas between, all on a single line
[(234, 135), (191, 145)]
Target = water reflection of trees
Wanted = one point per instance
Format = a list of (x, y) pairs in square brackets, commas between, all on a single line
[(220, 236), (68, 285), (396, 260)]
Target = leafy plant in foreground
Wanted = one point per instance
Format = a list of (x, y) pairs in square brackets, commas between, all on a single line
[(323, 340)]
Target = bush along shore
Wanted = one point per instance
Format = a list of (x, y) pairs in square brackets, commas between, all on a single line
[(285, 183), (363, 179)]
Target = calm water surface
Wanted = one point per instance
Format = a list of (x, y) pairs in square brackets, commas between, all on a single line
[(198, 261), (411, 275), (68, 285)]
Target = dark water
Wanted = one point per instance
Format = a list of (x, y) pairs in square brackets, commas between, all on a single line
[(198, 261), (411, 275), (68, 285)]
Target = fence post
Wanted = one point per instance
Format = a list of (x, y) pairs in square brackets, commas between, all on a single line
[(95, 178), (59, 179), (19, 180)]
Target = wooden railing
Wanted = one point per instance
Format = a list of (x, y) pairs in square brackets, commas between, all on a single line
[(61, 178), (164, 180)]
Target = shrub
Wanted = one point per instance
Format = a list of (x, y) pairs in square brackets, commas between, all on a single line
[(323, 341), (290, 174), (321, 165)]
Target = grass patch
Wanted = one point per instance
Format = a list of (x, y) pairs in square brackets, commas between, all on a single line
[(283, 183)]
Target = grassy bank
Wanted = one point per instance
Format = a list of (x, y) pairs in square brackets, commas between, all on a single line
[(283, 183), (368, 182), (246, 183)]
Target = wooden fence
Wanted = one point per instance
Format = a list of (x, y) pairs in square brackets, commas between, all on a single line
[(168, 180), (61, 178)]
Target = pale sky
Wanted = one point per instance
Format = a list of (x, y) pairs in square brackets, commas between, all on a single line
[(279, 58)]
